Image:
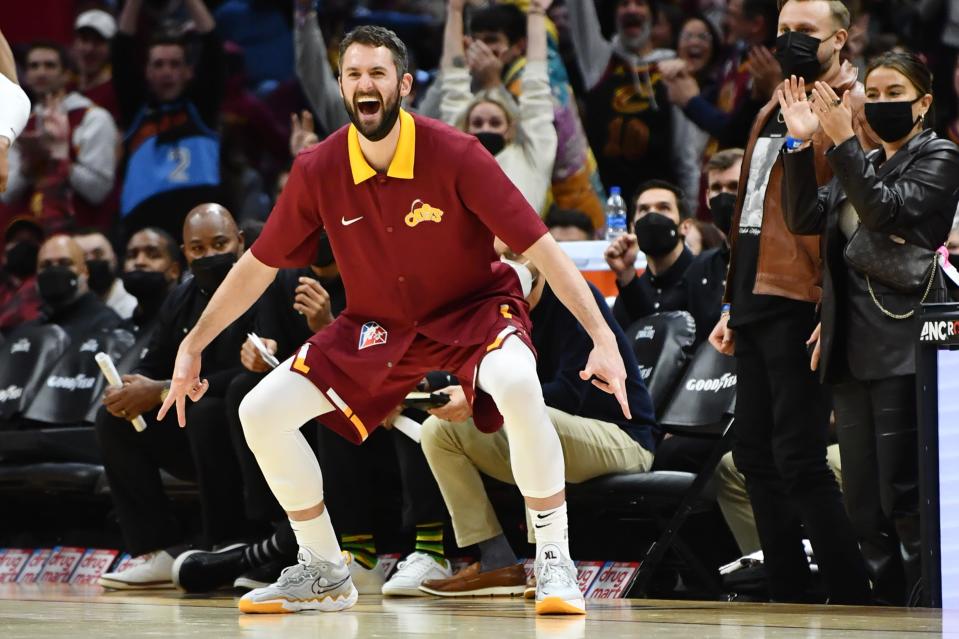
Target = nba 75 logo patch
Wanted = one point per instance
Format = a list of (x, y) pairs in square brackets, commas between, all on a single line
[(372, 334)]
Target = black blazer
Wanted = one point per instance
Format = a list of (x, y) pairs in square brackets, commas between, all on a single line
[(912, 196)]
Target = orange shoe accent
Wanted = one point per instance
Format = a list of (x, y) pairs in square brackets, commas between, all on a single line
[(267, 607), (557, 606)]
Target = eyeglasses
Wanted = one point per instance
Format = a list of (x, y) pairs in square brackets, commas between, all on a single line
[(704, 37)]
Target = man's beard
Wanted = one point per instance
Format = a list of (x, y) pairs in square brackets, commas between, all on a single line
[(389, 115), (637, 42)]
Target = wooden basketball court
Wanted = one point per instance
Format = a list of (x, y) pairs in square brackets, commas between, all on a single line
[(83, 612)]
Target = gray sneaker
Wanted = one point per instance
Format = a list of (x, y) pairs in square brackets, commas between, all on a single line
[(557, 592), (311, 584)]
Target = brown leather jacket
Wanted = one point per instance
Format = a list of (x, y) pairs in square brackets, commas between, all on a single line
[(789, 265)]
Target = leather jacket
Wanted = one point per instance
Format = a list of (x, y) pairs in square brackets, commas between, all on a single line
[(788, 264), (912, 196)]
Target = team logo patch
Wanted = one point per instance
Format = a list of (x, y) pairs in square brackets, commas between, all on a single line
[(420, 211), (372, 334)]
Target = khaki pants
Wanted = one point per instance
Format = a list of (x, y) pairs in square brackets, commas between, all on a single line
[(458, 453), (734, 500)]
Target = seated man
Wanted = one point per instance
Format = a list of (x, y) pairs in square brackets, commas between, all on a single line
[(62, 284), (151, 269), (102, 266), (595, 437), (133, 460), (19, 301), (659, 225)]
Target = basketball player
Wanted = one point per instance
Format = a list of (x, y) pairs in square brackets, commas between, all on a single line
[(411, 207)]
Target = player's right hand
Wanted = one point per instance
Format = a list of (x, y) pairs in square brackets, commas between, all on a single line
[(185, 383)]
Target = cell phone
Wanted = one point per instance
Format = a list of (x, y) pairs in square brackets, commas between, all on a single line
[(426, 401)]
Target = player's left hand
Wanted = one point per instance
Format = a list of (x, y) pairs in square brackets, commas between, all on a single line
[(605, 370)]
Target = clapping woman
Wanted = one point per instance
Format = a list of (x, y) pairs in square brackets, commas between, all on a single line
[(881, 218)]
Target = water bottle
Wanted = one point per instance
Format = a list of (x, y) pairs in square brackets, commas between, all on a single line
[(615, 214)]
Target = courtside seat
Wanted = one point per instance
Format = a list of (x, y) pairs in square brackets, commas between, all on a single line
[(25, 359), (46, 478), (654, 489), (75, 381), (663, 344), (54, 444)]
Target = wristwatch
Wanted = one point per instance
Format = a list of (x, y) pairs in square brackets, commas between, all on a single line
[(793, 144)]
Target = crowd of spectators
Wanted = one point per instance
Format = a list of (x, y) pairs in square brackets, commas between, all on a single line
[(162, 131)]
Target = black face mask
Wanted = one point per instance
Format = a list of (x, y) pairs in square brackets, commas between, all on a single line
[(492, 142), (22, 259), (954, 259), (324, 253), (100, 276), (892, 121), (147, 286), (657, 234), (798, 55), (209, 272), (57, 285), (722, 206)]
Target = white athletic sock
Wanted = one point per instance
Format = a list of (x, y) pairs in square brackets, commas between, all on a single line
[(317, 536), (551, 529)]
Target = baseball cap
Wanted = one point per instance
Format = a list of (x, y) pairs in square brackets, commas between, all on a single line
[(98, 20)]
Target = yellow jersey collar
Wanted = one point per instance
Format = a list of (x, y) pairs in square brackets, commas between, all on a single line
[(402, 164)]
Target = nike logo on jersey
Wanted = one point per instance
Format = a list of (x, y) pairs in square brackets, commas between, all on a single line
[(347, 222)]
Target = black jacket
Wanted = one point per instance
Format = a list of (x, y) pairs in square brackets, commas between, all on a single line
[(275, 317), (180, 311), (912, 196), (84, 315), (648, 293), (563, 346), (705, 284)]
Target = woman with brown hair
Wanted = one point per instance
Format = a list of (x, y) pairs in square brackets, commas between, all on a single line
[(882, 217)]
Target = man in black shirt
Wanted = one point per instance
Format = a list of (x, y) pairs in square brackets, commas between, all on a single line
[(658, 230), (782, 416), (133, 460), (151, 269), (67, 299)]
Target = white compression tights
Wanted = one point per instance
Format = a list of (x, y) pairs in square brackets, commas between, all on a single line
[(273, 412), (536, 457)]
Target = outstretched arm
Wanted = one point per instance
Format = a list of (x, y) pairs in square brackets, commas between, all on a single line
[(202, 18), (592, 50), (313, 70), (605, 365)]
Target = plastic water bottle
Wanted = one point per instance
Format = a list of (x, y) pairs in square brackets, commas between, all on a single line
[(615, 214)]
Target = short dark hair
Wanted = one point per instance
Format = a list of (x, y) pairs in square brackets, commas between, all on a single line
[(684, 212), (569, 217), (172, 247), (52, 46), (373, 36), (501, 18), (167, 40)]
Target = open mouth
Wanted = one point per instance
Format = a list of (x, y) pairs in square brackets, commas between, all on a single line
[(368, 105)]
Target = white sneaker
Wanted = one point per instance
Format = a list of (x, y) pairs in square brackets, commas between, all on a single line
[(557, 591), (156, 571), (368, 581), (412, 572), (311, 584)]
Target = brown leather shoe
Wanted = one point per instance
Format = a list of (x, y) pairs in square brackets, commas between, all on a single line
[(470, 582)]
